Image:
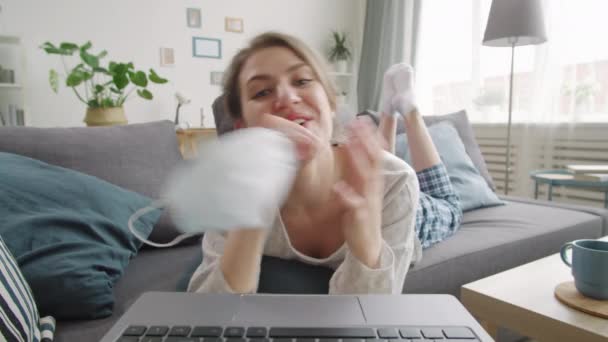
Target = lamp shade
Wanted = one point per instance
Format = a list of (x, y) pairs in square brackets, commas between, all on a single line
[(515, 23)]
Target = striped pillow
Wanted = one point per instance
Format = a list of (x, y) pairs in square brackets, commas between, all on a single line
[(19, 319)]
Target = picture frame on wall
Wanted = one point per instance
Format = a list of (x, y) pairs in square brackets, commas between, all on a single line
[(216, 77), (193, 17), (233, 24), (167, 57), (206, 47)]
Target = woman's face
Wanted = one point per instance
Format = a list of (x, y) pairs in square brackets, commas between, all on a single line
[(275, 81)]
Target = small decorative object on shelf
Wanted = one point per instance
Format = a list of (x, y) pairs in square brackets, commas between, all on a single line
[(189, 139), (181, 100), (339, 53), (102, 89), (7, 75)]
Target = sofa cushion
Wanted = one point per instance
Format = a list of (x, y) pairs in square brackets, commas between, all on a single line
[(465, 131), (468, 184), (19, 318), (137, 157), (152, 270), (495, 239), (69, 234)]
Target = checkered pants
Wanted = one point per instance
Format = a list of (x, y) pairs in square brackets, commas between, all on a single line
[(439, 214)]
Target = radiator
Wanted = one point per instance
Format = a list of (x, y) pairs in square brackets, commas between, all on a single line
[(546, 146)]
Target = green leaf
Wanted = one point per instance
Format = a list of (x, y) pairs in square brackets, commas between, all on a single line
[(155, 78), (89, 59), (74, 78), (54, 80), (99, 89), (112, 66), (102, 54), (68, 48), (130, 66), (138, 78), (115, 91), (93, 103), (121, 81), (86, 75), (86, 46), (51, 49), (107, 102), (144, 93), (120, 69)]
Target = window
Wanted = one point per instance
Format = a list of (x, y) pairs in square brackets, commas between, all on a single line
[(563, 80)]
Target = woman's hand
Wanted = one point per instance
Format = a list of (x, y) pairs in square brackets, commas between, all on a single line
[(360, 194), (306, 142)]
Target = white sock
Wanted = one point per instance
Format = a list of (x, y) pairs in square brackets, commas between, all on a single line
[(398, 90)]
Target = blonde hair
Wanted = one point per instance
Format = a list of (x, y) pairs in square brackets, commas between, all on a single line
[(232, 93)]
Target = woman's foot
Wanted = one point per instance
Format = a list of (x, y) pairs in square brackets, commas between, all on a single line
[(398, 90)]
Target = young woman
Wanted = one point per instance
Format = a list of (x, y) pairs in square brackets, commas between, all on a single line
[(352, 206)]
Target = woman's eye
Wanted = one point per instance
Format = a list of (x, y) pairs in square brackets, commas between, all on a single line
[(303, 81), (261, 93)]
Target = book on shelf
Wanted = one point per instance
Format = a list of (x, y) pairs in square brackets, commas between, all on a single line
[(592, 177), (579, 168), (14, 116)]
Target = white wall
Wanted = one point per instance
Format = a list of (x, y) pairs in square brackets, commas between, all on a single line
[(134, 30)]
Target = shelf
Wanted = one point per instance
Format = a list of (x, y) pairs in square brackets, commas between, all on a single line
[(345, 74), (9, 40), (10, 85)]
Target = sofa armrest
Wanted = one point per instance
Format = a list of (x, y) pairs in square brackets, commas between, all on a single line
[(601, 212)]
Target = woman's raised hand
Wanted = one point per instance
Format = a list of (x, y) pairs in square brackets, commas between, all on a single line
[(306, 142), (360, 193)]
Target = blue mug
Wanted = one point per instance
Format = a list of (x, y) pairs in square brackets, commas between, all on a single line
[(589, 266)]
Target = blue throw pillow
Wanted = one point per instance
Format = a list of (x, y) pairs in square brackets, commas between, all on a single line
[(68, 232), (468, 183)]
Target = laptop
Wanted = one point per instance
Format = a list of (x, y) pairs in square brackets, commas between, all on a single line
[(189, 317)]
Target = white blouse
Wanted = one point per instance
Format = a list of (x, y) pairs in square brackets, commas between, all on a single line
[(400, 247)]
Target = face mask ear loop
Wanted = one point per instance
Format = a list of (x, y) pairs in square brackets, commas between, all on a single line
[(158, 204)]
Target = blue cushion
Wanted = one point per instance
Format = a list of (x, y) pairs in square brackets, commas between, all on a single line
[(468, 183), (19, 320), (68, 232)]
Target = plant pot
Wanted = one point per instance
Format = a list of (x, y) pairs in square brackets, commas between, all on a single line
[(105, 116), (341, 65)]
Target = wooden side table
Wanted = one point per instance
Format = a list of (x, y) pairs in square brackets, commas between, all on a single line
[(522, 299), (189, 139)]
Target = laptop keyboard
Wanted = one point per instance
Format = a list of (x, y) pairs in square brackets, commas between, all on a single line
[(140, 333)]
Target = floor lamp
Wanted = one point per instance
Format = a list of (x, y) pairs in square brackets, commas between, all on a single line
[(514, 23)]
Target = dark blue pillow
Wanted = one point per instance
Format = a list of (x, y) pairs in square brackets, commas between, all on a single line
[(68, 232)]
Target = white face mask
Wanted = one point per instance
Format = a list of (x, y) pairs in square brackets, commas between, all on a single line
[(239, 181)]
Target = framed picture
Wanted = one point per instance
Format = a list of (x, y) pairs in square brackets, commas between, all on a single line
[(206, 47), (233, 24), (193, 17), (167, 57), (216, 77)]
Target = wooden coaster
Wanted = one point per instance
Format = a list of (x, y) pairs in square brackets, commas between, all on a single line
[(568, 294)]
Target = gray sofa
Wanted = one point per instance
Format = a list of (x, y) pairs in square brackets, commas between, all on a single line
[(139, 156)]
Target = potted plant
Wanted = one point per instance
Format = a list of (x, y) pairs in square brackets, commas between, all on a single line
[(104, 89), (339, 53)]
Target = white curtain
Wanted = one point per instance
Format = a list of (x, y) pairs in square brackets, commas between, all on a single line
[(389, 37), (560, 86)]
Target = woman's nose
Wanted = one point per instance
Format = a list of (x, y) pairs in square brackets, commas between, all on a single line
[(286, 96)]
